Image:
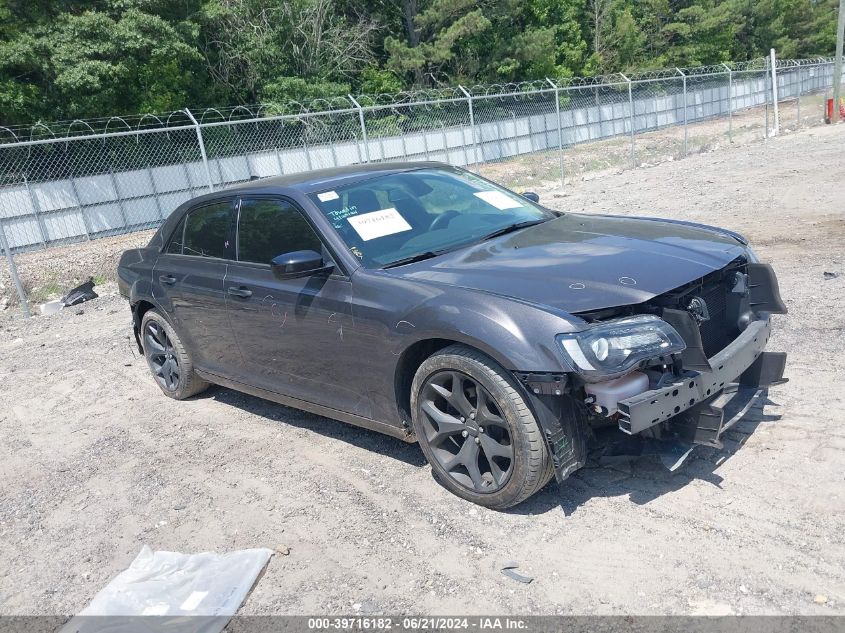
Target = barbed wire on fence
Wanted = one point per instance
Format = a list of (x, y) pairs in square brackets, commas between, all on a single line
[(340, 103)]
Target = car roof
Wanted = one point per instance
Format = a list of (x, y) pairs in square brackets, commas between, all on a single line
[(323, 179)]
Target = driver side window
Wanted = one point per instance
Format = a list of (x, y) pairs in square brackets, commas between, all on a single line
[(267, 228)]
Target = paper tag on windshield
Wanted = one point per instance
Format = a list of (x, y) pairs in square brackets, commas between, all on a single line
[(327, 195), (498, 199), (378, 224)]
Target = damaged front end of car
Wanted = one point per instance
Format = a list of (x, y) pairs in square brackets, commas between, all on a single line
[(677, 370)]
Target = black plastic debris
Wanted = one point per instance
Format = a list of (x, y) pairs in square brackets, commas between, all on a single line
[(828, 275), (671, 453), (508, 570), (83, 292)]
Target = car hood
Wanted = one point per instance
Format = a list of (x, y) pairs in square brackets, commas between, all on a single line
[(578, 263)]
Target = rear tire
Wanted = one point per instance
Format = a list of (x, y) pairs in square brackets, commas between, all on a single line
[(476, 430), (168, 359)]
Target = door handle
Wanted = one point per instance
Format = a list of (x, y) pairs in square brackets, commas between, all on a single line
[(167, 279), (239, 291)]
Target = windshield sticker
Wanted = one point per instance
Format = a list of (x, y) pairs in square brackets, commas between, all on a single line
[(337, 217), (327, 195), (378, 224), (498, 199)]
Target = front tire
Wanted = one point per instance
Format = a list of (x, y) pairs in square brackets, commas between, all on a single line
[(476, 430), (168, 359)]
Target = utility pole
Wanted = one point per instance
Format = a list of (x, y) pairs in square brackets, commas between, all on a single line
[(837, 62), (774, 67)]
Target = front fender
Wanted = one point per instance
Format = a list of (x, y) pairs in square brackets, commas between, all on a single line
[(521, 338), (516, 334), (708, 227)]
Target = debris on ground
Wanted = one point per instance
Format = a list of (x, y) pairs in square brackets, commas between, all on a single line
[(51, 307), (508, 570), (83, 292), (174, 584), (671, 453), (828, 275)]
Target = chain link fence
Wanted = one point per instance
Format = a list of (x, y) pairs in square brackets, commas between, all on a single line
[(82, 180)]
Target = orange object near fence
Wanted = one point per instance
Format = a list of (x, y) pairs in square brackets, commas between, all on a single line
[(829, 110)]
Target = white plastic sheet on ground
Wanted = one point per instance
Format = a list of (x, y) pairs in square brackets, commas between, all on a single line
[(173, 586)]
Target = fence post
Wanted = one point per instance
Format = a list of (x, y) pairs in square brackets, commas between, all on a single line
[(559, 127), (363, 128), (798, 100), (631, 113), (472, 124), (837, 64), (601, 117), (120, 204), (36, 212), (686, 132), (13, 271), (202, 148), (766, 97), (730, 103), (85, 224), (775, 92)]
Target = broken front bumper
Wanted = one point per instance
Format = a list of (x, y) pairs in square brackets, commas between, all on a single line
[(695, 399)]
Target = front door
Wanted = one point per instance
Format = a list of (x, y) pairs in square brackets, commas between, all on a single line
[(290, 331)]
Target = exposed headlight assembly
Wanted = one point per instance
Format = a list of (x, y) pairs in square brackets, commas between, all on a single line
[(611, 348)]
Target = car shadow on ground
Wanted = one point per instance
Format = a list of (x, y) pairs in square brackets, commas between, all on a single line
[(362, 438), (643, 479)]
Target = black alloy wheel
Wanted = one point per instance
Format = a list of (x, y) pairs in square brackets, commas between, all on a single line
[(169, 361), (476, 429), (162, 356), (468, 435)]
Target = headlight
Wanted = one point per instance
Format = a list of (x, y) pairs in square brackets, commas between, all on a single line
[(614, 347)]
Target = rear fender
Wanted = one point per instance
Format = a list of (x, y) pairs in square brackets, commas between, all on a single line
[(137, 316)]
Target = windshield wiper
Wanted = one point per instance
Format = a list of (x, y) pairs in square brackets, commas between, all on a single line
[(510, 228), (413, 258)]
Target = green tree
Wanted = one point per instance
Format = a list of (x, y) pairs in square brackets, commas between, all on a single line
[(89, 63), (68, 59), (702, 32), (536, 39), (441, 42), (264, 49)]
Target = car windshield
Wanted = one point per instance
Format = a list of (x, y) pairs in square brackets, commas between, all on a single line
[(415, 214)]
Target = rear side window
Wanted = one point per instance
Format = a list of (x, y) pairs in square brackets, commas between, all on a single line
[(208, 231), (268, 228)]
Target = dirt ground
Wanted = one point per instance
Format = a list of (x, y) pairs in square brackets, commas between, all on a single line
[(95, 462)]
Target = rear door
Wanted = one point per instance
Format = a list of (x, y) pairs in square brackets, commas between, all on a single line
[(189, 277), (290, 331)]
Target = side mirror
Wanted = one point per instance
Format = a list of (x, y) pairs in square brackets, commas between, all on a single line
[(298, 264), (530, 195)]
